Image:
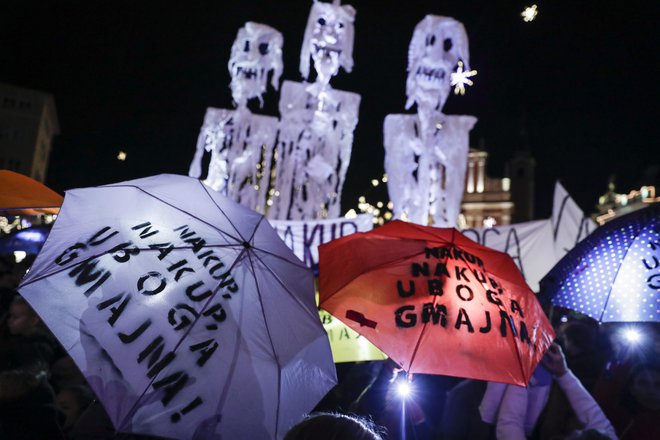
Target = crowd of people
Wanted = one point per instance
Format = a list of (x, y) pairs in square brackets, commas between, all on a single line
[(592, 384)]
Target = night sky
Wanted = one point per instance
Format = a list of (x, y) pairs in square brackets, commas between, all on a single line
[(137, 76)]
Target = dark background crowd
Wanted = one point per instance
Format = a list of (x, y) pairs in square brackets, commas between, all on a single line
[(44, 396)]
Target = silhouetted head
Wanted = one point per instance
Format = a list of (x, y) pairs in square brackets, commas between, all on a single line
[(333, 426)]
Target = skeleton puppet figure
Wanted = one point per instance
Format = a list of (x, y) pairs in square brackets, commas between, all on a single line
[(239, 141), (316, 130), (426, 153)]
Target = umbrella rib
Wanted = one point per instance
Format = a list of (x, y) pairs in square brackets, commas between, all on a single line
[(186, 212), (452, 242), (270, 340), (183, 337), (373, 268), (618, 269), (190, 327), (279, 257), (282, 284), (206, 189), (421, 333), (223, 394), (513, 336), (254, 231), (266, 251), (425, 326)]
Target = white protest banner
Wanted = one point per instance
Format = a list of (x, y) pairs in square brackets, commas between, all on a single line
[(569, 224), (303, 237), (537, 245), (529, 244)]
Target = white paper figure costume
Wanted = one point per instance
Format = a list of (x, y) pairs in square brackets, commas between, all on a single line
[(240, 142), (426, 153), (317, 122)]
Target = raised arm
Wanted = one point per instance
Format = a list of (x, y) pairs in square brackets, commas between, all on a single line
[(583, 404)]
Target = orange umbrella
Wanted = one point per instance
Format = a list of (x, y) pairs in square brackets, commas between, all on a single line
[(23, 195), (435, 302)]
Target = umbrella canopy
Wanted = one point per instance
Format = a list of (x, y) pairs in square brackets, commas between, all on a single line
[(29, 240), (188, 315), (435, 302), (613, 275), (23, 195)]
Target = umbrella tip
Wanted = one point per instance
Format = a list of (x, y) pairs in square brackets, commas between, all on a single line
[(247, 245)]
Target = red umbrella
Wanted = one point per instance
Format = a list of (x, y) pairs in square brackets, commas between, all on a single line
[(436, 302), (23, 195)]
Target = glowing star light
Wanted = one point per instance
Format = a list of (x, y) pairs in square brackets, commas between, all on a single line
[(121, 156), (461, 78), (530, 13)]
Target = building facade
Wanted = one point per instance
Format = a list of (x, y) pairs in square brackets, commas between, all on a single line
[(487, 201), (28, 124), (612, 204)]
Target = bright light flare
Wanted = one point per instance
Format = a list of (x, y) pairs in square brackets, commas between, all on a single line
[(403, 388), (632, 335), (489, 222), (461, 78), (33, 236), (121, 156), (529, 13)]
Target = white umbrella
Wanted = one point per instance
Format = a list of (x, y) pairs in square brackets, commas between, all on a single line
[(187, 314)]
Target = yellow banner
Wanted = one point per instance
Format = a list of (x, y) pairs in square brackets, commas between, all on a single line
[(346, 344)]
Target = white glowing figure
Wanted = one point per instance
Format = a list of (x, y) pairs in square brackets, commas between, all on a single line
[(316, 129), (529, 13), (461, 78), (240, 142), (426, 152)]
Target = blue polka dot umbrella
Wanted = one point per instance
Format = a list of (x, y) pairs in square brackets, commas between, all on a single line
[(613, 275)]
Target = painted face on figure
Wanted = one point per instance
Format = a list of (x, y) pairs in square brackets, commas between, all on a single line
[(256, 52), (328, 40), (438, 44), (327, 37)]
